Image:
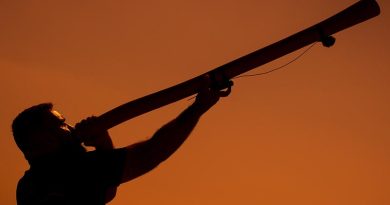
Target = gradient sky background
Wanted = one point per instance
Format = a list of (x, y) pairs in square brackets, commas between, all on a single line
[(316, 132)]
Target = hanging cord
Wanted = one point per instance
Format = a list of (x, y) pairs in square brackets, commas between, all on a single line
[(280, 67), (275, 69)]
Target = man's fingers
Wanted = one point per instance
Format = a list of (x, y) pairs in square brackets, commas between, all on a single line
[(225, 93)]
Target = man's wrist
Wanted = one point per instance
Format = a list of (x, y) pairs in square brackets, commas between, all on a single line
[(196, 109)]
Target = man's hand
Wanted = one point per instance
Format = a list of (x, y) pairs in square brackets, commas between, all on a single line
[(208, 96), (91, 135)]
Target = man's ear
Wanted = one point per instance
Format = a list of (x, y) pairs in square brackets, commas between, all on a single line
[(38, 144)]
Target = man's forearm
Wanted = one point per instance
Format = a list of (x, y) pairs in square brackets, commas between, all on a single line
[(103, 142), (106, 145), (172, 135)]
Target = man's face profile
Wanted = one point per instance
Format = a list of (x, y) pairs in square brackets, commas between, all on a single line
[(55, 135)]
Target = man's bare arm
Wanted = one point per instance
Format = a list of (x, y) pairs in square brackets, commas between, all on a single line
[(144, 156)]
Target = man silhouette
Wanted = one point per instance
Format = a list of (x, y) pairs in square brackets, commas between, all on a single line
[(62, 172)]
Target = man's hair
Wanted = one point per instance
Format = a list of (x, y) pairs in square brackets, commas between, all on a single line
[(28, 122)]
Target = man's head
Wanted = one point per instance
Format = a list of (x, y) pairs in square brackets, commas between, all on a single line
[(40, 130)]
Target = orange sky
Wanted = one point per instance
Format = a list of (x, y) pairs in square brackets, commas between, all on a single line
[(316, 132)]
